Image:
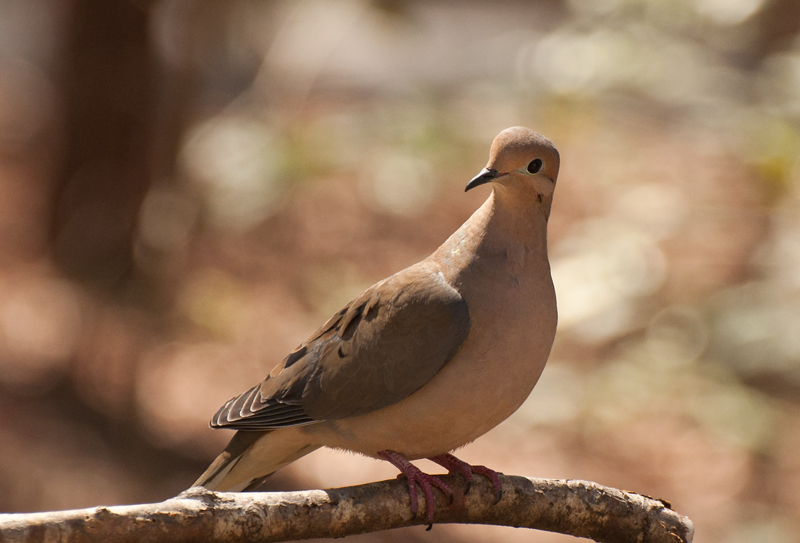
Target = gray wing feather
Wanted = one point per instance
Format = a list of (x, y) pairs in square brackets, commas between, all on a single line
[(380, 348)]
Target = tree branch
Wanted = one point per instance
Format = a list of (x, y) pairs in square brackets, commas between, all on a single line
[(579, 508)]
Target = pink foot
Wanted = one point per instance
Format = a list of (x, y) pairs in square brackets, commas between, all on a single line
[(454, 465), (416, 476)]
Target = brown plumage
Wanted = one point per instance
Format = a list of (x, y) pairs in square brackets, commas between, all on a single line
[(426, 360)]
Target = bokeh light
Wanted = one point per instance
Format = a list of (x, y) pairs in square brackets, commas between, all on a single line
[(189, 189)]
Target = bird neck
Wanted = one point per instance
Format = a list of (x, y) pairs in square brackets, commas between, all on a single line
[(499, 232), (514, 220)]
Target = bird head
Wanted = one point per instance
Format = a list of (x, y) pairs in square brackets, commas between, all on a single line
[(522, 161)]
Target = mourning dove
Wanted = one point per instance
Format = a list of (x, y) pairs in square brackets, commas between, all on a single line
[(426, 360)]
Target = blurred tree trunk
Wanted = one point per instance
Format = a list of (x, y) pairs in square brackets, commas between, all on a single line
[(108, 87), (779, 23), (114, 110)]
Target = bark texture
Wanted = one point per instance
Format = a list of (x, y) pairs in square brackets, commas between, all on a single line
[(579, 508)]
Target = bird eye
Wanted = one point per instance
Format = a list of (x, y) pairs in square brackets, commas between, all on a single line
[(535, 166)]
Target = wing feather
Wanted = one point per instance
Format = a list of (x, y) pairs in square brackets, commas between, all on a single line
[(379, 349)]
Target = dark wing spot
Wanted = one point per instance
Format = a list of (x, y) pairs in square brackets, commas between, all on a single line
[(539, 197), (341, 353), (372, 312), (350, 329), (294, 357), (350, 326)]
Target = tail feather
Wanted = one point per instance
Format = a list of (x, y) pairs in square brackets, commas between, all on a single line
[(227, 460), (252, 456)]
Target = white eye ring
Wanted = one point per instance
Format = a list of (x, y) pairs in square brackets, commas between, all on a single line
[(535, 166)]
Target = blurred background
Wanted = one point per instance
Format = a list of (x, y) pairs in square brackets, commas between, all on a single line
[(188, 188)]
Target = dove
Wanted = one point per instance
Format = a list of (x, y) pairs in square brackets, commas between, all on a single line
[(426, 360)]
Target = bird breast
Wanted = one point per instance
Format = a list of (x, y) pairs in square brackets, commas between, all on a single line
[(490, 376)]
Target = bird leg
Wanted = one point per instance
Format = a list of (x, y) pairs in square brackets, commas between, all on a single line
[(454, 465), (416, 476)]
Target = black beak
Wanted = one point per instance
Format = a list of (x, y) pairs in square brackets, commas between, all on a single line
[(485, 176)]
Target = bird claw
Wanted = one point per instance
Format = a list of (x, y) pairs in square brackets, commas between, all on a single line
[(426, 482), (454, 465), (494, 477), (417, 477)]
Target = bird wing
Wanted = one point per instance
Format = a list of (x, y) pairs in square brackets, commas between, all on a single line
[(376, 351)]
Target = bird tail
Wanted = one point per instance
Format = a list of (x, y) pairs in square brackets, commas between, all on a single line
[(252, 456)]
